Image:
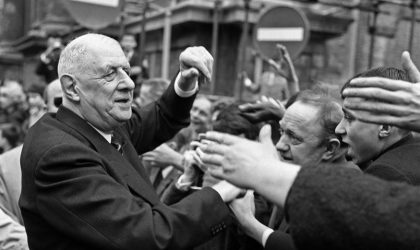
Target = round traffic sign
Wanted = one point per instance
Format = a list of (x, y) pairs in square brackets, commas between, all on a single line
[(94, 14), (281, 24)]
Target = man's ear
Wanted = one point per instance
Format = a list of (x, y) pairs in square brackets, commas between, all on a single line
[(333, 150), (384, 131), (69, 88)]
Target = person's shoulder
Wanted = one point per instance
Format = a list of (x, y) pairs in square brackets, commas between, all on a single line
[(404, 154)]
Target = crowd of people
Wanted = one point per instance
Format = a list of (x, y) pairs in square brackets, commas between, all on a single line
[(95, 160)]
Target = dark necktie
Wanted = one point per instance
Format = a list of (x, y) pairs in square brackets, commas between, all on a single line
[(116, 142)]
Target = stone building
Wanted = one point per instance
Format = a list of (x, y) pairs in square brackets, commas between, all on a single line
[(339, 44)]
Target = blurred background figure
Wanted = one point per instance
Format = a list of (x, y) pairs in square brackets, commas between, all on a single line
[(14, 107), (139, 70), (36, 103), (200, 116), (149, 91), (53, 96), (48, 60), (279, 80), (9, 136)]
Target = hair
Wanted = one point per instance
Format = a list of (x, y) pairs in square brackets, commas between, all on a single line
[(73, 58), (11, 132), (385, 72), (329, 111), (36, 88), (232, 122)]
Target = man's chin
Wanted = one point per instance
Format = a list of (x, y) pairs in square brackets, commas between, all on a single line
[(123, 116)]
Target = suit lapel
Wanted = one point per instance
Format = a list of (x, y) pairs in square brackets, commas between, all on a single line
[(124, 168)]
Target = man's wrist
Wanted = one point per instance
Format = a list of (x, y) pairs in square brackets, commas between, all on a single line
[(183, 93), (277, 189), (267, 232)]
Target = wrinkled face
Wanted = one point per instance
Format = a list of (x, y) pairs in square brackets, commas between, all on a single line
[(201, 115), (362, 138), (105, 88), (300, 140)]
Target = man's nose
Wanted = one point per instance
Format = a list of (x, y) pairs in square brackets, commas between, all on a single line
[(126, 79), (194, 113), (282, 144), (340, 130)]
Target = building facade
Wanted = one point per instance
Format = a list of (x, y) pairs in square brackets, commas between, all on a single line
[(339, 46)]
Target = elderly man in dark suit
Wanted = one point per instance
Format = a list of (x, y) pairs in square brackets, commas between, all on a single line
[(82, 187)]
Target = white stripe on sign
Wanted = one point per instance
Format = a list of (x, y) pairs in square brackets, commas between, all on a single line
[(109, 3), (280, 34)]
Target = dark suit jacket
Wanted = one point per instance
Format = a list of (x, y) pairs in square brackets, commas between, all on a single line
[(79, 192), (400, 162), (339, 208)]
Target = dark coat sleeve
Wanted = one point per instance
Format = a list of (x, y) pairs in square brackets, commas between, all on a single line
[(173, 195), (337, 208), (158, 122), (387, 172), (279, 240)]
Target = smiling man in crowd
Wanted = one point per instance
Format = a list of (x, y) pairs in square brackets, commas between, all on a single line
[(82, 184)]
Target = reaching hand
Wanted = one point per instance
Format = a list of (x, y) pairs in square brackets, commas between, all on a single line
[(387, 101), (196, 64), (244, 210), (236, 159), (162, 156), (265, 110)]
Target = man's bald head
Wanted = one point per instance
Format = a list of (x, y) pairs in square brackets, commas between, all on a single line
[(78, 54)]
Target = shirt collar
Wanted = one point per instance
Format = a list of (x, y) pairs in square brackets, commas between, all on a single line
[(107, 137)]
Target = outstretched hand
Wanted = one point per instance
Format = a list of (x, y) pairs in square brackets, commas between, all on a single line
[(387, 101), (236, 159)]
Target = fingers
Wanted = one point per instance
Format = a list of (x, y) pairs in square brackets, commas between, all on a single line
[(248, 107), (377, 94), (265, 135), (216, 171), (149, 156), (409, 67), (220, 138), (379, 82), (199, 58), (218, 149), (358, 104), (190, 73)]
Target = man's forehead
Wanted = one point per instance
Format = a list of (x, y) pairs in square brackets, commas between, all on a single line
[(300, 116), (108, 58), (202, 103)]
